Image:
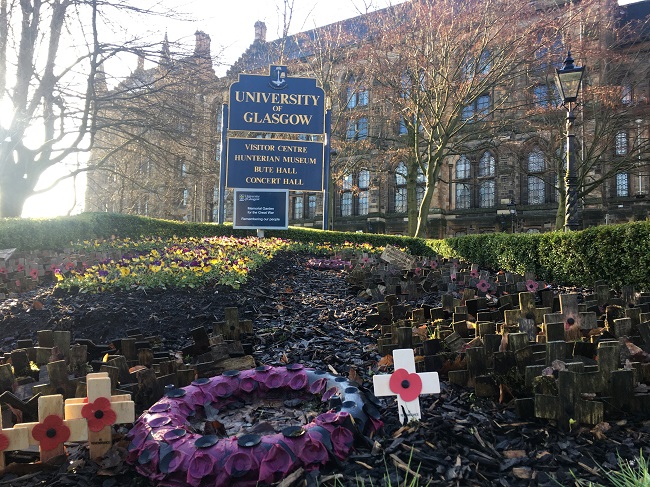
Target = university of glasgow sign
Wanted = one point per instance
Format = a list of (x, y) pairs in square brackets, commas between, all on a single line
[(277, 103), (275, 164)]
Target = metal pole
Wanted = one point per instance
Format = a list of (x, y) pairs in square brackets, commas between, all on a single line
[(572, 218), (326, 169), (222, 165)]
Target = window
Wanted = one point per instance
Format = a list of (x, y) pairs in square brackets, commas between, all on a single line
[(536, 190), (621, 143), (311, 206), (536, 161), (626, 94), (463, 196), (346, 204), (463, 192), (347, 182), (357, 96), (541, 96), (479, 108), (462, 168), (357, 129), (400, 188), (482, 67), (298, 206), (622, 185), (487, 165), (486, 194), (401, 192), (355, 194), (364, 186), (536, 186)]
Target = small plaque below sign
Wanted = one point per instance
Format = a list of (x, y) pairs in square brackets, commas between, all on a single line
[(261, 209), (396, 257)]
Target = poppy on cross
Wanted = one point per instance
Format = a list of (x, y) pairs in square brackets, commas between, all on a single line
[(406, 384)]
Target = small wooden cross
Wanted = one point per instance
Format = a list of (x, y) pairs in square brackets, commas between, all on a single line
[(52, 431), (100, 410), (12, 439), (527, 316), (406, 384)]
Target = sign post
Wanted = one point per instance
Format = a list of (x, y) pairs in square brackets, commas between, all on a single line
[(282, 148)]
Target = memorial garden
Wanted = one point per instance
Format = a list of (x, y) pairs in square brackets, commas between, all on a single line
[(143, 352)]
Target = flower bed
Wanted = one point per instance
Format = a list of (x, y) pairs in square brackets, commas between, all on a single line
[(165, 448)]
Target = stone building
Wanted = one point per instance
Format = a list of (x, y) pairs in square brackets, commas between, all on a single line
[(510, 184)]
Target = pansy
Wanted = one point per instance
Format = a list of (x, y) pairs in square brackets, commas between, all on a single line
[(51, 433), (98, 414), (407, 386)]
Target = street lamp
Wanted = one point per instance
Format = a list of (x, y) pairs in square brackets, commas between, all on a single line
[(568, 81), (512, 208)]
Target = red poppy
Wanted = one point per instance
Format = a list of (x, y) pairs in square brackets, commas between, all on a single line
[(98, 414), (406, 386), (34, 273), (20, 267), (434, 264), (483, 285), (4, 271), (4, 442), (531, 285), (51, 433), (474, 273)]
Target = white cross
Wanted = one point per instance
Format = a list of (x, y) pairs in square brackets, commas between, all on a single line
[(406, 382)]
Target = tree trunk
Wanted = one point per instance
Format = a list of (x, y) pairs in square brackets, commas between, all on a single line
[(12, 198)]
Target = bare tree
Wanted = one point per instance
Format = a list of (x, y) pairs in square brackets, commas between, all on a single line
[(51, 54), (610, 125)]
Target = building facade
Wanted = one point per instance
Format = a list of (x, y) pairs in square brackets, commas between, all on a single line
[(506, 180)]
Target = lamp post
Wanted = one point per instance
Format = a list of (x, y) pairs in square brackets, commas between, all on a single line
[(512, 208), (569, 80)]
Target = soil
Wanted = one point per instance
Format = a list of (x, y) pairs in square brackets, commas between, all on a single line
[(312, 317)]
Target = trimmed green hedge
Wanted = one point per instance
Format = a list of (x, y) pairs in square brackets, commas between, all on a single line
[(617, 254)]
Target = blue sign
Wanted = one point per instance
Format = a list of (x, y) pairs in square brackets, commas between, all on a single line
[(261, 209), (275, 164), (277, 103)]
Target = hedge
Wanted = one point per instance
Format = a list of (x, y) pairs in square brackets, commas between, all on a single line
[(617, 254)]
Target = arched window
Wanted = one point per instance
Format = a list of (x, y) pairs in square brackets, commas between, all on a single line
[(487, 165), (462, 168), (400, 188), (536, 185), (463, 191)]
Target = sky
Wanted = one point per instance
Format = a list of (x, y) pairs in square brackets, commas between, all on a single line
[(230, 25)]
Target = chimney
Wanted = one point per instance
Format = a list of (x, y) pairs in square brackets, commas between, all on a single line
[(260, 31), (202, 47)]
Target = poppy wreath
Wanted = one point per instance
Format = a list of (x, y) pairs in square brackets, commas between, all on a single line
[(165, 448)]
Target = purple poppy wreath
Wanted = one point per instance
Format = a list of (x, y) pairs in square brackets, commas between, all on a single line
[(165, 448)]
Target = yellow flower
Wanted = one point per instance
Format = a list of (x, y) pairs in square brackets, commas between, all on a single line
[(125, 271)]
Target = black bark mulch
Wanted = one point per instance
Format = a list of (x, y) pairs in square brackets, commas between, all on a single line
[(310, 316)]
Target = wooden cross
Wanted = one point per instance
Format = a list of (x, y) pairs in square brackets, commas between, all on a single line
[(570, 314), (12, 439), (527, 316), (100, 410), (52, 431), (406, 384)]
